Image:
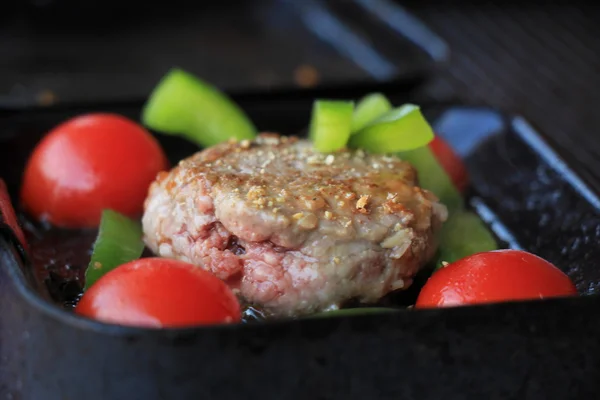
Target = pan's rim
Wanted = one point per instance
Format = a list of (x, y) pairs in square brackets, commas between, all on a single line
[(9, 250)]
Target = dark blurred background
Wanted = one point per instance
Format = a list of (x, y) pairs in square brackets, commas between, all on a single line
[(540, 59), (67, 50)]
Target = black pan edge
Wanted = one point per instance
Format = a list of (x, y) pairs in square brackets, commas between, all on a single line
[(352, 90), (39, 304)]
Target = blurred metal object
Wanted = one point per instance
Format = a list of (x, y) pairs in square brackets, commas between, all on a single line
[(405, 23), (321, 21), (105, 50)]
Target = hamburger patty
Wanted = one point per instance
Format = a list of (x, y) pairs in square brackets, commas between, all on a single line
[(293, 230)]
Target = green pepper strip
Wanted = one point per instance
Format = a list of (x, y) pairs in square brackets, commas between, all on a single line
[(119, 241), (182, 104)]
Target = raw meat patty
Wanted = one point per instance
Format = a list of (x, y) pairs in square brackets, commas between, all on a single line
[(292, 230)]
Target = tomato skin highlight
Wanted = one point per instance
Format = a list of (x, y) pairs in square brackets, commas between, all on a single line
[(157, 293), (494, 276), (451, 162), (90, 163)]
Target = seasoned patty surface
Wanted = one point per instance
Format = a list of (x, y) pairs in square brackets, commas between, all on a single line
[(293, 230)]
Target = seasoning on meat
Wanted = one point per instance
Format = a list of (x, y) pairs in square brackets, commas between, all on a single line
[(361, 204), (310, 230)]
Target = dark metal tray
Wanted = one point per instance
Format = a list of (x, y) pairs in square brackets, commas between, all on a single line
[(73, 51), (542, 350)]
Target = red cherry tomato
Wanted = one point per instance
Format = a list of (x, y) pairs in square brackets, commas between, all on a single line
[(7, 214), (90, 163), (494, 276), (159, 292), (451, 162)]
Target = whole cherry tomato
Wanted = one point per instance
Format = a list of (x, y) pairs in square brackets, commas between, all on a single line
[(90, 163), (159, 292), (494, 276), (451, 162)]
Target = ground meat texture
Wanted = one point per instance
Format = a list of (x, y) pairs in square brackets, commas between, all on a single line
[(292, 230)]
